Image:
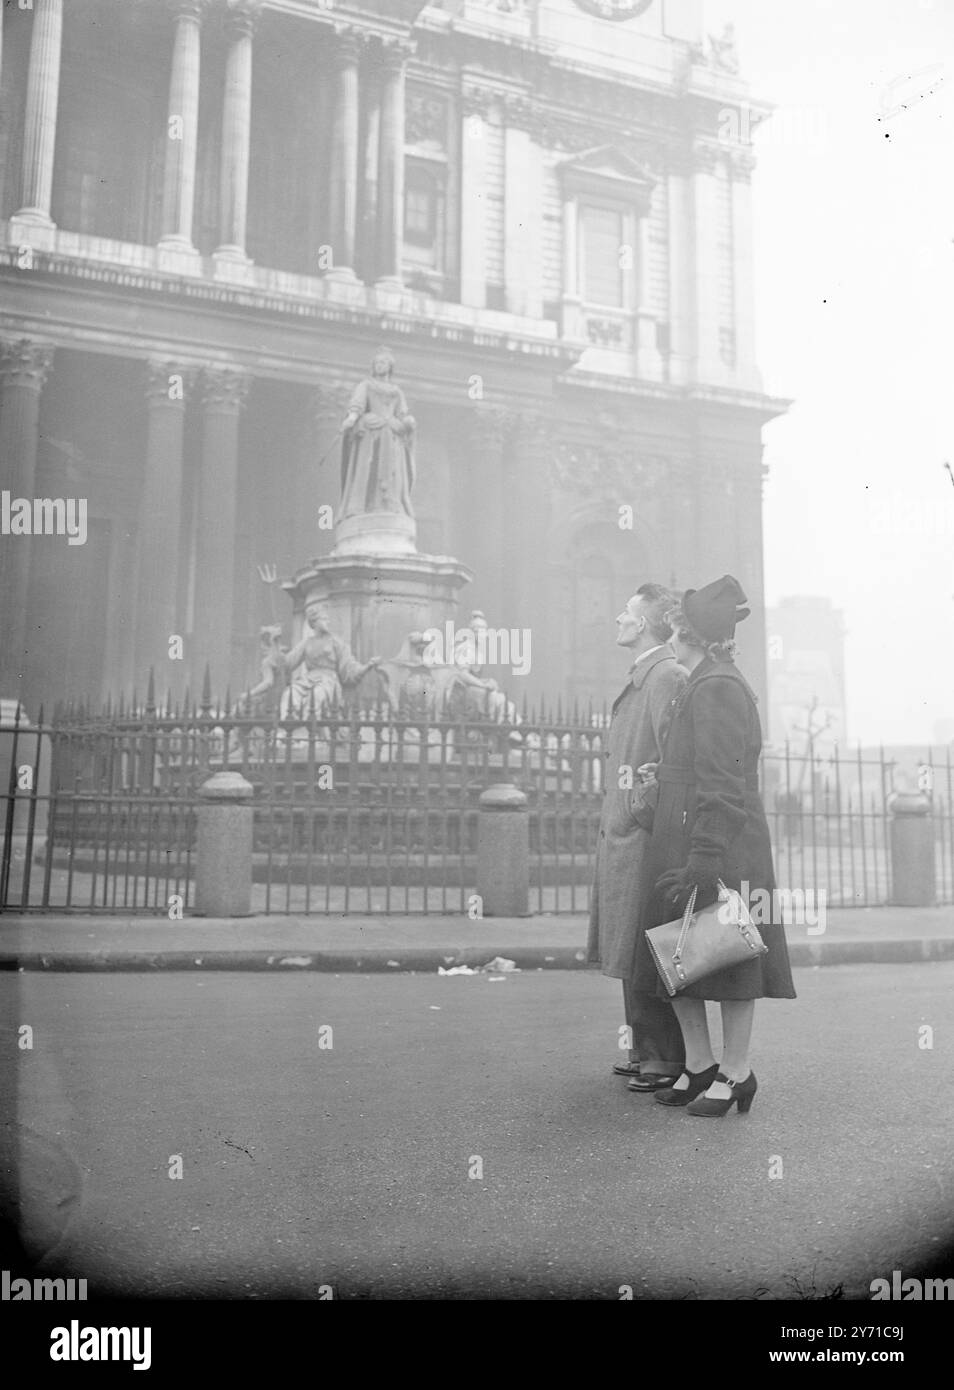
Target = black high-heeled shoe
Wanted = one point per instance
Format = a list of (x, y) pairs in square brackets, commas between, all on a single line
[(743, 1094), (699, 1081)]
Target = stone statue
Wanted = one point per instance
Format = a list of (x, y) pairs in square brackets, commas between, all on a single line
[(377, 449), (423, 686), (326, 665), (723, 51), (482, 695), (272, 668)]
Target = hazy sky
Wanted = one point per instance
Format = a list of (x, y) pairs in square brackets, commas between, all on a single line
[(854, 207)]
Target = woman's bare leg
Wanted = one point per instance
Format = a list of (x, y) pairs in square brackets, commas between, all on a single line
[(691, 1014), (737, 1017)]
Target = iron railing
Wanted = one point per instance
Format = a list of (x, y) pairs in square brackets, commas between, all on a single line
[(375, 810)]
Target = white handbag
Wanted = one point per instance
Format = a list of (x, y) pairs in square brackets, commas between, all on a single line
[(698, 944)]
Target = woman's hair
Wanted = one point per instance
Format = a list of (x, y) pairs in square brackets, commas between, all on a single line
[(683, 629)]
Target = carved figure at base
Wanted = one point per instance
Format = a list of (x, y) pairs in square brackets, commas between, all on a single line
[(321, 665), (419, 685), (481, 695), (263, 697)]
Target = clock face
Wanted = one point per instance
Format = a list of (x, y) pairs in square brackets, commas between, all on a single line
[(614, 9)]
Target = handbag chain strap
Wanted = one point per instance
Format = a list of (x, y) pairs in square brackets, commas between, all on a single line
[(687, 920), (686, 923)]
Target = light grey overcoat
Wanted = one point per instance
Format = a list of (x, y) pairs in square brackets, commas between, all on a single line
[(641, 715)]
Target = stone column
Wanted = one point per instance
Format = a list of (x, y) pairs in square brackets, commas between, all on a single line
[(182, 134), (159, 520), (746, 371), (481, 539), (680, 273), (707, 365), (369, 178), (241, 19), (573, 326), (24, 367), (343, 193), (527, 493), (223, 395), (42, 98), (321, 486), (523, 198), (473, 228), (648, 359), (679, 535), (391, 167)]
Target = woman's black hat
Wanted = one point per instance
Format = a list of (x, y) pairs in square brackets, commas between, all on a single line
[(715, 609)]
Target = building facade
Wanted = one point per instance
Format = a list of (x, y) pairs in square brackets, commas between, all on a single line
[(213, 211)]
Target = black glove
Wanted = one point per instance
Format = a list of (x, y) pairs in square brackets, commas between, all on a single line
[(676, 885)]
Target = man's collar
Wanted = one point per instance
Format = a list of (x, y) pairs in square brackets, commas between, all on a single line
[(644, 663), (643, 655)]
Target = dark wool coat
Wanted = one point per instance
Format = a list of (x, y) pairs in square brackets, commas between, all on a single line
[(709, 814), (641, 716)]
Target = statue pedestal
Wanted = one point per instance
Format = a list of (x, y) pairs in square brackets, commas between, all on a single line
[(373, 600), (376, 533)]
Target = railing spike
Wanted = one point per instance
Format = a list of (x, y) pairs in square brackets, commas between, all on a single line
[(151, 692), (206, 689)]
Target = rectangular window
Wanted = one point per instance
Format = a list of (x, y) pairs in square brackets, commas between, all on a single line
[(601, 232), (420, 209)]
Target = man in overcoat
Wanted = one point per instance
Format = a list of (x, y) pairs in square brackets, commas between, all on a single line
[(641, 716)]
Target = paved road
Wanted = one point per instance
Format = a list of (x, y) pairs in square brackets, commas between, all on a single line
[(349, 1166)]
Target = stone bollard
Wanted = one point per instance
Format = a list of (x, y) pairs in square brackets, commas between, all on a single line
[(503, 852), (912, 849), (223, 859)]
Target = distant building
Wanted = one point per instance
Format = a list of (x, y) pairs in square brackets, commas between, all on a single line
[(806, 666), (212, 212)]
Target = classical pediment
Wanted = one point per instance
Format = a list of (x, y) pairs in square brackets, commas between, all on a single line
[(606, 171)]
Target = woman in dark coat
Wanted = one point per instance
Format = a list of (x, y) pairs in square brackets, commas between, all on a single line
[(708, 823)]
